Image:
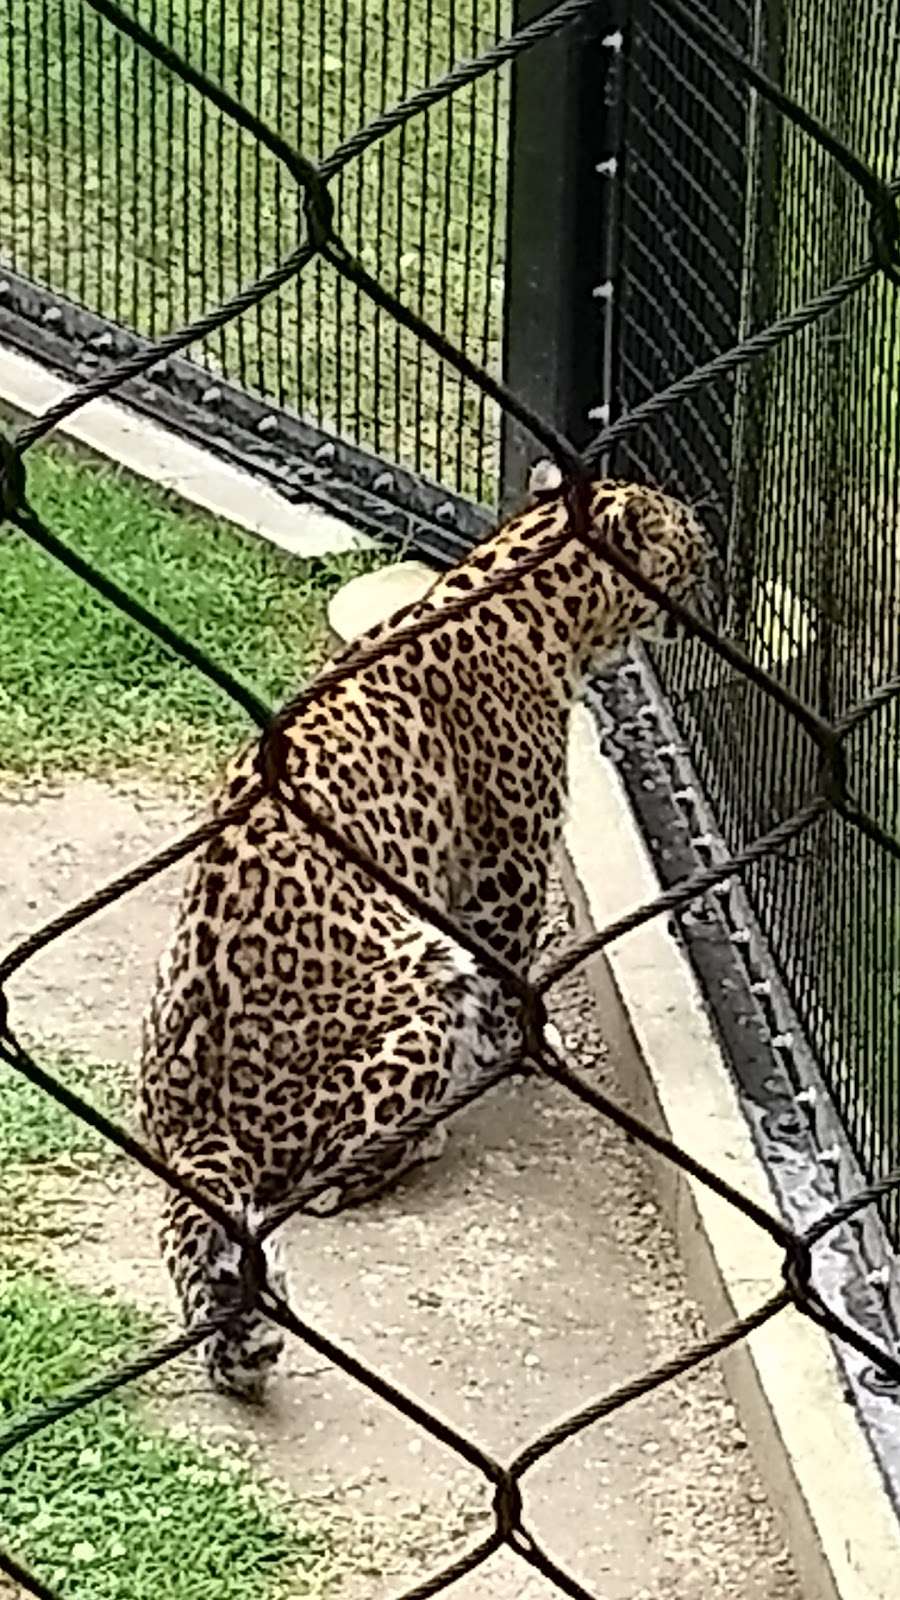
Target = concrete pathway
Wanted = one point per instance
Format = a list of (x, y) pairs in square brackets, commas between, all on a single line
[(525, 1274)]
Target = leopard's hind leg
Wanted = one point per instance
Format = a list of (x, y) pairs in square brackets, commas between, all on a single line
[(368, 1183), (404, 1083), (206, 1268)]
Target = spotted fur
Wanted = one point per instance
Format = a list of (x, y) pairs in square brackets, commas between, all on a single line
[(301, 1014)]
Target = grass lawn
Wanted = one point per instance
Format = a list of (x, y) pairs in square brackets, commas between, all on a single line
[(35, 1128), (45, 1151), (83, 689), (103, 1507), (133, 196)]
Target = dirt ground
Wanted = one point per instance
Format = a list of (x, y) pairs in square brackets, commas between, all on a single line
[(523, 1275)]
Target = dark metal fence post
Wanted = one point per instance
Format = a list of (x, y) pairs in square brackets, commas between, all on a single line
[(560, 210)]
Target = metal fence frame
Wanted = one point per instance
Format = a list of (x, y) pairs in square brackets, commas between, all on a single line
[(829, 794), (303, 463)]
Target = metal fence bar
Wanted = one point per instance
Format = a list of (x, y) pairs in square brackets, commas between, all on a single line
[(553, 311), (118, 104), (832, 795)]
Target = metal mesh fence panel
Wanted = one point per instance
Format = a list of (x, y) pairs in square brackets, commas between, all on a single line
[(827, 803), (684, 175), (126, 191), (732, 216)]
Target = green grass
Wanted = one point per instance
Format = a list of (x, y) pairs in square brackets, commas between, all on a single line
[(103, 1507), (83, 689), (131, 195), (45, 1151), (35, 1128)]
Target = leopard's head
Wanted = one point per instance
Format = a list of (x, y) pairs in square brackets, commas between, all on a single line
[(666, 543), (663, 538)]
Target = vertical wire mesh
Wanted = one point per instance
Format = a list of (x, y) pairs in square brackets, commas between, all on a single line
[(134, 197), (732, 216)]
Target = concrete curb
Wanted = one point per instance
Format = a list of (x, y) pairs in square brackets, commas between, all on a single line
[(201, 478), (811, 1452), (812, 1455)]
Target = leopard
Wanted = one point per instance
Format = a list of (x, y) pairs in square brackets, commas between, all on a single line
[(310, 1030)]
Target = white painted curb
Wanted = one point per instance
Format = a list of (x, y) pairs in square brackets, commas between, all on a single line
[(374, 596), (174, 463), (812, 1454)]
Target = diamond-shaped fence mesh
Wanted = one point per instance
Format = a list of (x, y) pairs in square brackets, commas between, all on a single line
[(828, 793)]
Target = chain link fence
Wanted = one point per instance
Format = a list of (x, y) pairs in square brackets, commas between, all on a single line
[(827, 800)]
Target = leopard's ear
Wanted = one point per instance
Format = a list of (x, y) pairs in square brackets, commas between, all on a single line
[(544, 480)]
